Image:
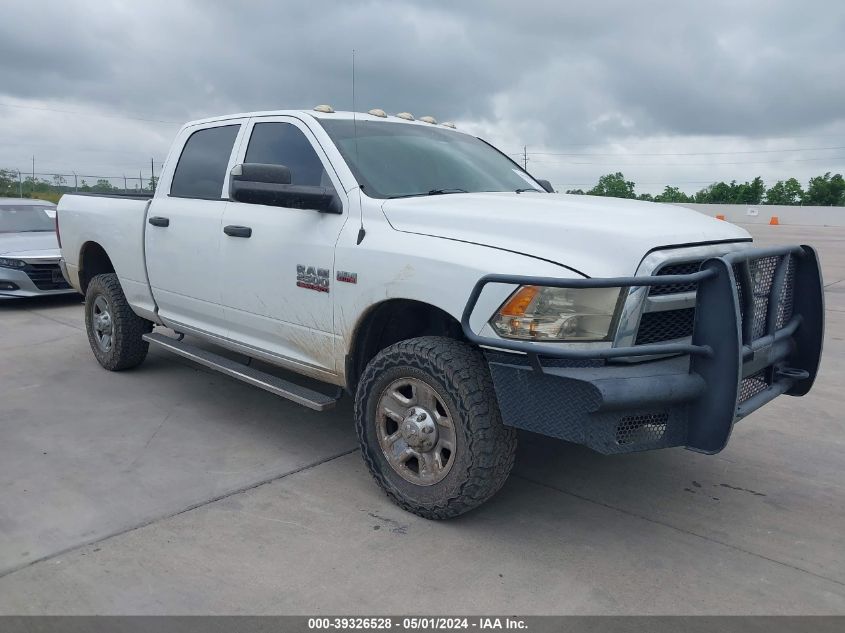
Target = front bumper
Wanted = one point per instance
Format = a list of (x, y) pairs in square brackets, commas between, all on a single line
[(759, 324), (37, 279)]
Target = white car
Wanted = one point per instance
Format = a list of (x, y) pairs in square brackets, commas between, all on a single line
[(454, 296), (29, 251)]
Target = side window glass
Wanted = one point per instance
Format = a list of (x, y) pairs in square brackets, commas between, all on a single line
[(285, 144), (201, 169)]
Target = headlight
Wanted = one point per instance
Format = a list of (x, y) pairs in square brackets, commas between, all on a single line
[(542, 313), (5, 262)]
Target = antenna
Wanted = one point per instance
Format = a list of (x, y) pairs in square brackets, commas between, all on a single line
[(354, 116), (361, 231)]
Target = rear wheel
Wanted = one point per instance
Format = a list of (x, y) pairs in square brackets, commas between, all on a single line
[(430, 429), (114, 330)]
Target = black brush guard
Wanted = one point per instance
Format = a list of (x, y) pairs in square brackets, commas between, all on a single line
[(759, 324)]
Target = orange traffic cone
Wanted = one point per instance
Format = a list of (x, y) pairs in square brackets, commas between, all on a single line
[(720, 217), (774, 220)]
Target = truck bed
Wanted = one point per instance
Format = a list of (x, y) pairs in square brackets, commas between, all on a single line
[(115, 222)]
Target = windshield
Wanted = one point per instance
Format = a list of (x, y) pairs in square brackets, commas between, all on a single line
[(400, 160), (25, 219)]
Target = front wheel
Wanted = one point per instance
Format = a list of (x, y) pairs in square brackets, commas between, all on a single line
[(430, 428), (114, 330)]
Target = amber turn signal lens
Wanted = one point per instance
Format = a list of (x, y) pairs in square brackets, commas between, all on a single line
[(518, 304)]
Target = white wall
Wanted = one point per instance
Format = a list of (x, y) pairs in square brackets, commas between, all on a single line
[(762, 214)]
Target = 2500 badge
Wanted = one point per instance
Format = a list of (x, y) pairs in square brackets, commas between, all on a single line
[(312, 278)]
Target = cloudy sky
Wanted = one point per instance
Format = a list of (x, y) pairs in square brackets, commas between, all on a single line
[(674, 92)]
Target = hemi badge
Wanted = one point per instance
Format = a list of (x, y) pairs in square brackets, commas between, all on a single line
[(350, 278)]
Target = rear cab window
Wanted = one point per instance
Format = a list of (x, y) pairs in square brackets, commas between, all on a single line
[(201, 170)]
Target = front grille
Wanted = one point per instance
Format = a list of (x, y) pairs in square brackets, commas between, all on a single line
[(46, 276), (758, 277), (668, 325), (684, 268)]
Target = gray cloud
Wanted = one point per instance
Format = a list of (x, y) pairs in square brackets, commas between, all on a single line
[(663, 76)]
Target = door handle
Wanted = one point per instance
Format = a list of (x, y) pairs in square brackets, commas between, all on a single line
[(237, 231), (159, 221)]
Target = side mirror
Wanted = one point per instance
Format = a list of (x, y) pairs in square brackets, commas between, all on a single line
[(257, 183), (545, 184)]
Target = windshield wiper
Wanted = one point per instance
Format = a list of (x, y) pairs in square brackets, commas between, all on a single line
[(433, 192), (528, 189)]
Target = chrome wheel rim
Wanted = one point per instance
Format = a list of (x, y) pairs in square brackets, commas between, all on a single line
[(101, 323), (416, 431)]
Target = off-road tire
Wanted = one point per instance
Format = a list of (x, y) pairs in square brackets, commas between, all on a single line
[(128, 349), (485, 448)]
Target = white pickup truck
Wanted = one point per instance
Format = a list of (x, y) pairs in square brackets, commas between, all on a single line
[(453, 295)]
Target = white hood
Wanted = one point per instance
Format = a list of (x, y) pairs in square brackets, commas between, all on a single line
[(597, 236)]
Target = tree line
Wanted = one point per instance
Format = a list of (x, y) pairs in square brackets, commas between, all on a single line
[(826, 190)]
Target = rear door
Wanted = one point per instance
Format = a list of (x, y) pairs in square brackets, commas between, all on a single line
[(277, 283), (182, 237)]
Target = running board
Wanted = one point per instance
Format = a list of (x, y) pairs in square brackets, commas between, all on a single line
[(255, 377)]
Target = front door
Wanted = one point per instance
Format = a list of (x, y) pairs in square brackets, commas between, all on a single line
[(277, 282)]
